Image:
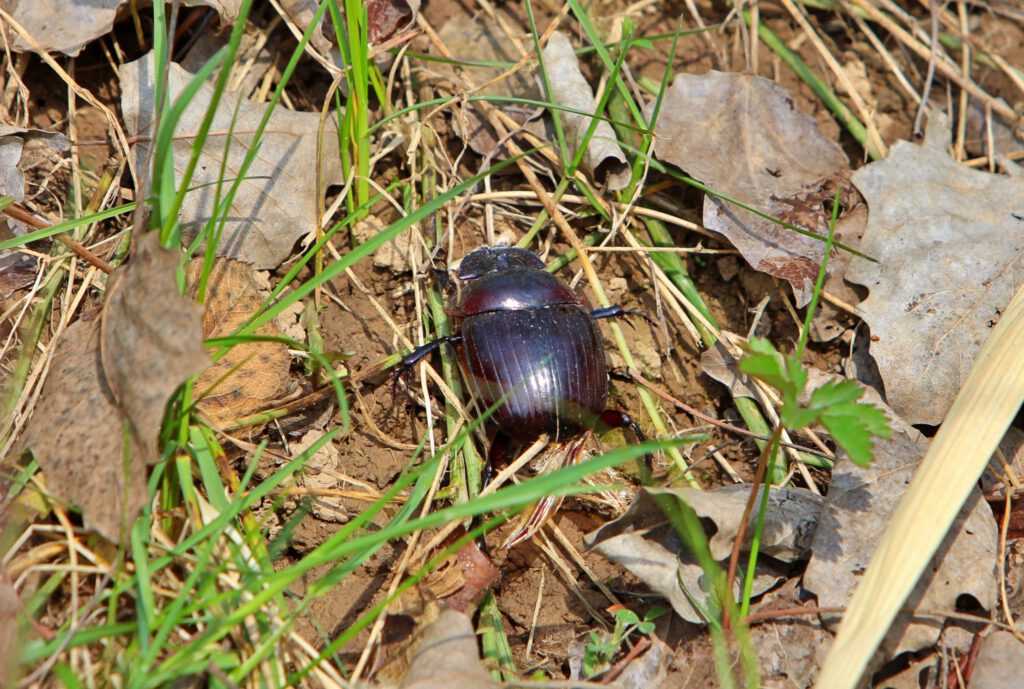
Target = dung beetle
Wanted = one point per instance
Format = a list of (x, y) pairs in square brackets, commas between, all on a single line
[(526, 342)]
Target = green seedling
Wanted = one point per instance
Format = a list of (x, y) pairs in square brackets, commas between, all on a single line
[(602, 648)]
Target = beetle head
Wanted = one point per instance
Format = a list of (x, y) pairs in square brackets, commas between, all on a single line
[(495, 259)]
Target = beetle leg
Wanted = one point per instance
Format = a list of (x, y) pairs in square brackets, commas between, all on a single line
[(613, 418), (616, 311), (417, 355)]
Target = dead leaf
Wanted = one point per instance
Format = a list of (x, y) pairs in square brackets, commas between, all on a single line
[(742, 136), (645, 543), (789, 524), (66, 26), (76, 433), (251, 375), (147, 326), (789, 648), (480, 39), (999, 662), (22, 149), (319, 472), (95, 396), (857, 510), (277, 204), (9, 641), (604, 160), (718, 363), (393, 255), (949, 242), (385, 18), (446, 656)]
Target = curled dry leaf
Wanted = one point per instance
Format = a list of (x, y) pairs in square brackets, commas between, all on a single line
[(603, 160), (742, 136), (277, 204), (444, 655), (858, 509), (110, 381), (949, 244), (251, 375), (645, 543)]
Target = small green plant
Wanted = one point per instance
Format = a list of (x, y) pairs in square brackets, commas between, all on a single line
[(853, 425), (602, 648)]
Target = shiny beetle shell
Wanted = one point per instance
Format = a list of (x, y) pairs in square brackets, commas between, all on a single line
[(527, 339)]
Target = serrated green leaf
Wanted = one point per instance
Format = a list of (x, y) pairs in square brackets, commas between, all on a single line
[(835, 392), (765, 368), (852, 436), (794, 416)]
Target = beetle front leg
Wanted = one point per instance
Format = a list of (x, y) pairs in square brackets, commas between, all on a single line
[(616, 311), (417, 355)]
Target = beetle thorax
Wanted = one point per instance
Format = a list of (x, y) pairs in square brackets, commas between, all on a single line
[(516, 289)]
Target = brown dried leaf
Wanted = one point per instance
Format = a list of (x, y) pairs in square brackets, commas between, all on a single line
[(95, 396), (742, 136), (257, 373), (76, 433), (385, 18), (150, 339), (949, 242), (276, 205)]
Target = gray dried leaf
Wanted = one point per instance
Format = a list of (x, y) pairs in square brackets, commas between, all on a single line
[(719, 364), (857, 510), (110, 380), (66, 26), (603, 160), (21, 149), (276, 205), (742, 136), (319, 473), (949, 242), (446, 656), (789, 649), (999, 662), (644, 542)]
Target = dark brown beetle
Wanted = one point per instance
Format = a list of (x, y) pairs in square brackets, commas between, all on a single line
[(526, 338)]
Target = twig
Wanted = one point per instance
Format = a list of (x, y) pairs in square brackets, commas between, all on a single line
[(22, 215)]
